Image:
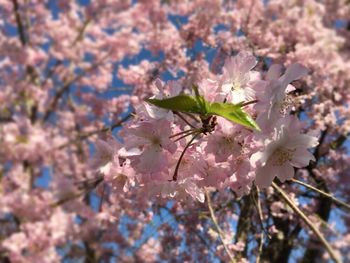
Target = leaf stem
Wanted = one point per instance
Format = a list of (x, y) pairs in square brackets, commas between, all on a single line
[(192, 116), (248, 103), (188, 134), (180, 133), (183, 118)]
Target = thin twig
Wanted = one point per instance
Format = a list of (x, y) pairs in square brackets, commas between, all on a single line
[(257, 204), (261, 238), (102, 198), (307, 221), (192, 116), (188, 134), (67, 199), (183, 118), (180, 133), (334, 199), (6, 119), (60, 92), (209, 247), (79, 193), (182, 155), (91, 133), (218, 228), (81, 32), (51, 71), (261, 242), (248, 103), (24, 39)]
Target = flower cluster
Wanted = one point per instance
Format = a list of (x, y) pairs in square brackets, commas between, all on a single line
[(73, 72), (170, 153)]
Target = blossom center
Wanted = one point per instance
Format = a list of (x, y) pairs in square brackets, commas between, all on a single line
[(236, 86), (156, 141), (281, 156)]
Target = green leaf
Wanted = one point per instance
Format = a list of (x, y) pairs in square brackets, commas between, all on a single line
[(203, 104), (198, 105), (182, 103), (234, 113)]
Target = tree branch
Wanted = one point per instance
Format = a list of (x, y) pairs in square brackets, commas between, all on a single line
[(86, 135), (218, 228), (292, 205), (66, 87), (20, 27), (334, 199)]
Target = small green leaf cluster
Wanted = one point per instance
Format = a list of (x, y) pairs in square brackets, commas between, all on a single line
[(198, 105)]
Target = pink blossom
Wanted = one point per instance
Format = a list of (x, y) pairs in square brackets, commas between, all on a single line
[(182, 189), (151, 138), (104, 156), (236, 76), (223, 143), (72, 72), (121, 176), (286, 149), (273, 98), (242, 179), (172, 89)]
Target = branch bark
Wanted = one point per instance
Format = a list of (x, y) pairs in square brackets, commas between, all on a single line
[(218, 228), (319, 235)]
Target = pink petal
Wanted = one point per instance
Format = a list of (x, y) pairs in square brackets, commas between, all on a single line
[(302, 140), (294, 72), (285, 172), (301, 158), (265, 176), (246, 61), (274, 72), (152, 160)]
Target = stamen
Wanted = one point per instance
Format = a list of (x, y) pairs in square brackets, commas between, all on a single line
[(281, 156)]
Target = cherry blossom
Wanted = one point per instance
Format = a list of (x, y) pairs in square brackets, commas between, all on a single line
[(286, 148), (236, 76), (91, 171), (275, 95)]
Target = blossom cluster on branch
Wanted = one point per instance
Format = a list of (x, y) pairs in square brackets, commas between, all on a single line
[(170, 153), (174, 130)]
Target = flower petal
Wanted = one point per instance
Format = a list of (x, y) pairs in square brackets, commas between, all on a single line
[(301, 158), (294, 72), (265, 175), (285, 172)]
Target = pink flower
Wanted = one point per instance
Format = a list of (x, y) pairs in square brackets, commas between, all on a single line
[(222, 143), (104, 155), (116, 171), (285, 150), (121, 176), (209, 90), (162, 91), (16, 243), (236, 76), (241, 181), (182, 189), (146, 143), (272, 101)]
